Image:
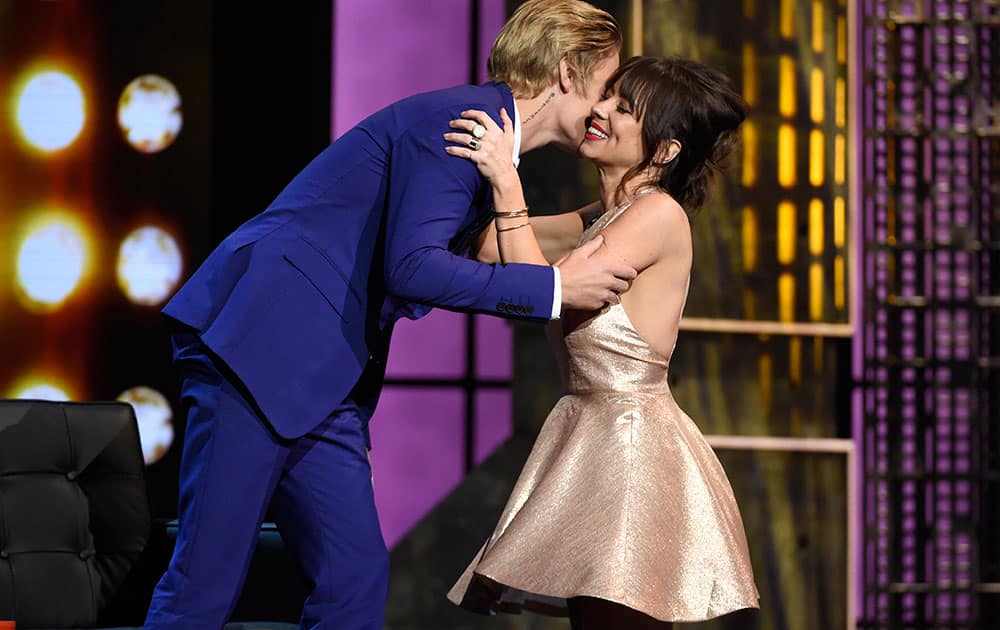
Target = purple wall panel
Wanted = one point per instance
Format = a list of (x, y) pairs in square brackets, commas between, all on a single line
[(384, 50), (417, 437), (431, 347), (494, 348), (494, 421)]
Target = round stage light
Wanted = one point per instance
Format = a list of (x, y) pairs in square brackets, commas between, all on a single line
[(50, 110), (156, 429), (149, 113), (50, 264), (149, 265), (40, 391)]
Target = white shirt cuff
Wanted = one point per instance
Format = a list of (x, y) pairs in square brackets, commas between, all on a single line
[(556, 294)]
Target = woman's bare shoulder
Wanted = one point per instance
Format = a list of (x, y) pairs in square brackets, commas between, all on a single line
[(660, 208), (655, 228), (658, 218)]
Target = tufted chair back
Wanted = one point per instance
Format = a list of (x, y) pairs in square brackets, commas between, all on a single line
[(73, 509)]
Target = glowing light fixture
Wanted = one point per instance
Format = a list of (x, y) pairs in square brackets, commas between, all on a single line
[(156, 429), (787, 232), (786, 297), (50, 263), (35, 389), (50, 111), (149, 265), (149, 113)]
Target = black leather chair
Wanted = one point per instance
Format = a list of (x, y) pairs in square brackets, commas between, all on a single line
[(74, 515)]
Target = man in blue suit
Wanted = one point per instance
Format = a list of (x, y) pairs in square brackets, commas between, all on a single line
[(281, 335)]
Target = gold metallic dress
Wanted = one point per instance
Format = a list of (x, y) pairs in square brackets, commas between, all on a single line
[(621, 497)]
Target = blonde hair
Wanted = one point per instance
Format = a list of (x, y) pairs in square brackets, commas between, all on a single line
[(527, 51)]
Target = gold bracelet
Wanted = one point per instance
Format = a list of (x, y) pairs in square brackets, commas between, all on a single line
[(508, 229), (512, 214)]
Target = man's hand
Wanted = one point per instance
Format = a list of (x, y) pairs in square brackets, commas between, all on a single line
[(589, 283)]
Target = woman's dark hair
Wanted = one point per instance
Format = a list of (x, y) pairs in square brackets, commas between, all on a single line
[(682, 100)]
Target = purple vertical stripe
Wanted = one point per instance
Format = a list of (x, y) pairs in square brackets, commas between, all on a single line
[(856, 205), (492, 15)]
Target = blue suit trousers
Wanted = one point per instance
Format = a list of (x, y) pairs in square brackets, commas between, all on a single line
[(234, 466)]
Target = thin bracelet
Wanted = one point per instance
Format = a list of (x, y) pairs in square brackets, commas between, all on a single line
[(508, 229), (512, 214)]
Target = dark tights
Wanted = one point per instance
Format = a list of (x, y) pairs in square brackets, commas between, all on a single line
[(591, 613)]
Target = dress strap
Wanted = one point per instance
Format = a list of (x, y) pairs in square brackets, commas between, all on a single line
[(604, 220)]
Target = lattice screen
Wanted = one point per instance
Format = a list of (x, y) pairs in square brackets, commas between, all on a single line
[(931, 235)]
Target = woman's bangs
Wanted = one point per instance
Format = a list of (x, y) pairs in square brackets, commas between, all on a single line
[(635, 87)]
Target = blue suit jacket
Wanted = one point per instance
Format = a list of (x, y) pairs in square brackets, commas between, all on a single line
[(300, 298)]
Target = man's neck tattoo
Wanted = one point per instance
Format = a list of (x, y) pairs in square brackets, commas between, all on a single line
[(552, 95)]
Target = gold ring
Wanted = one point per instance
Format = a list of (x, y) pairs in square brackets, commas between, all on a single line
[(474, 144)]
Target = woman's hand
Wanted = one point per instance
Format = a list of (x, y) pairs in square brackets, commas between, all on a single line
[(492, 153)]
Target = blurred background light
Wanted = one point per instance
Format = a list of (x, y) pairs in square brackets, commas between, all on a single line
[(50, 263), (149, 113), (156, 429), (149, 265), (39, 389), (50, 110)]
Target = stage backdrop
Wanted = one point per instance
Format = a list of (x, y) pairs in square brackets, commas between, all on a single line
[(133, 137)]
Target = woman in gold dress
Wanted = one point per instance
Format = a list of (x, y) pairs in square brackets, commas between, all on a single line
[(622, 516)]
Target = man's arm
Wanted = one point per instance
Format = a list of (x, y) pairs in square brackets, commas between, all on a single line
[(428, 200)]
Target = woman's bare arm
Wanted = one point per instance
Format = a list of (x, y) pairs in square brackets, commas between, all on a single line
[(514, 236), (557, 235)]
